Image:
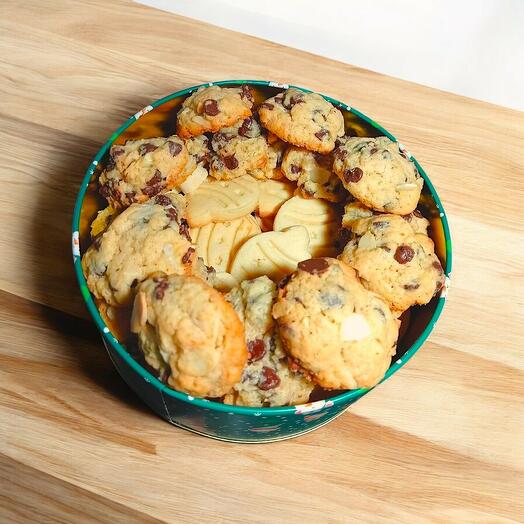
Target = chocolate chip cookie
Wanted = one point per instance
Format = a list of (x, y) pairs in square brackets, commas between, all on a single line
[(377, 173), (303, 119), (238, 149), (211, 108), (143, 239), (342, 334), (140, 169), (267, 379), (190, 334), (394, 261), (313, 174)]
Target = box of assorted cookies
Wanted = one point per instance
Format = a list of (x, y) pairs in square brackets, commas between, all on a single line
[(258, 256)]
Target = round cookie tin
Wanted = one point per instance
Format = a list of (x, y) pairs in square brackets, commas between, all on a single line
[(207, 417)]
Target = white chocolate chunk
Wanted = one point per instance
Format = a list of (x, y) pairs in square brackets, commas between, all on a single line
[(217, 243), (319, 217), (275, 254), (139, 314), (273, 193), (354, 327), (193, 181), (222, 200)]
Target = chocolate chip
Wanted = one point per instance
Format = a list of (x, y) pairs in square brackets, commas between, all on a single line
[(174, 148), (284, 281), (353, 175), (269, 379), (437, 266), (340, 154), (256, 349), (155, 179), (151, 191), (267, 105), (418, 214), (148, 147), (231, 161), (245, 128), (321, 134), (211, 107), (184, 229), (295, 169), (160, 288), (172, 214), (411, 286), (296, 99), (110, 164), (162, 200), (246, 93), (187, 257), (404, 254), (408, 218), (315, 266), (373, 151), (117, 151)]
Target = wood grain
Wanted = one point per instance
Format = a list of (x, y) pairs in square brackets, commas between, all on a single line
[(441, 442)]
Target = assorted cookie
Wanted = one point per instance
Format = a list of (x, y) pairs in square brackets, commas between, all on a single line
[(190, 334), (267, 379), (225, 239), (378, 174)]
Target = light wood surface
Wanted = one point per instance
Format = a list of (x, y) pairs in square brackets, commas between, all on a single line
[(442, 441)]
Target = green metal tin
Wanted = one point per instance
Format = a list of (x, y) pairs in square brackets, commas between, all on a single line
[(236, 423)]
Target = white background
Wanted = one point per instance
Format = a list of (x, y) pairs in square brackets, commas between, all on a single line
[(473, 48)]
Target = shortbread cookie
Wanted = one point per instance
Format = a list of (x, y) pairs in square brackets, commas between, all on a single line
[(376, 172), (275, 254), (267, 379), (211, 108), (237, 150), (143, 239), (220, 200), (394, 261), (303, 119), (190, 334), (218, 242), (313, 174), (140, 169), (319, 217), (273, 193), (333, 327)]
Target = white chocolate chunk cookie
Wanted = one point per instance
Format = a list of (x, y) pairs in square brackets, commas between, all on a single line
[(313, 174), (303, 119), (211, 108), (273, 193), (376, 172), (190, 334), (218, 242), (267, 379), (275, 254), (143, 239), (333, 327), (221, 200), (319, 217)]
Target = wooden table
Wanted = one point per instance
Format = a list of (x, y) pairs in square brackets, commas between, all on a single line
[(442, 441)]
